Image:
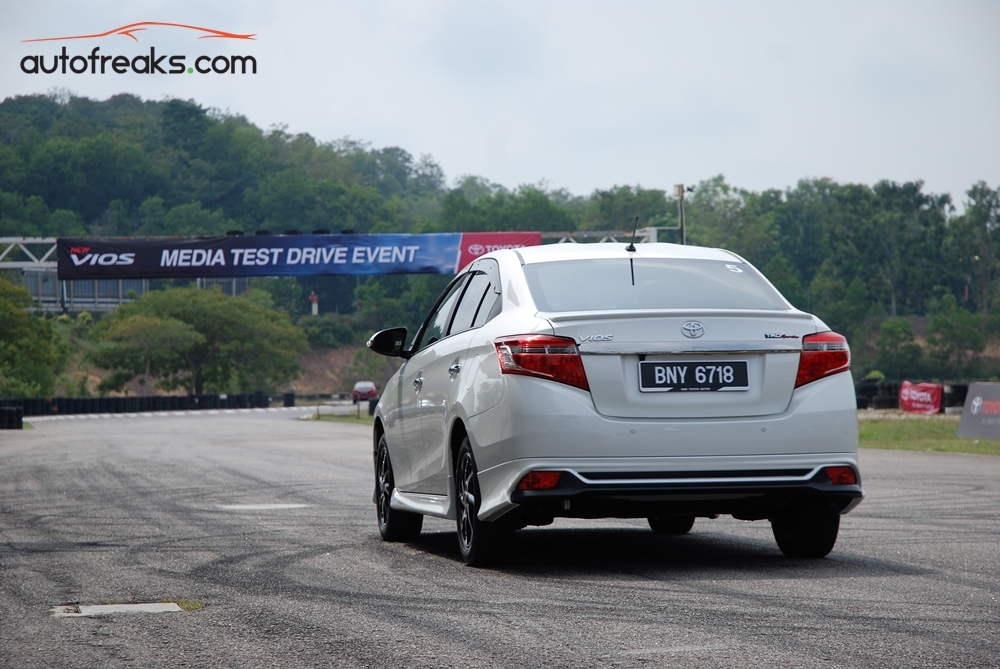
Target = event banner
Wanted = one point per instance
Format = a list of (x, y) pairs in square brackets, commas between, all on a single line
[(922, 398), (981, 413), (280, 255)]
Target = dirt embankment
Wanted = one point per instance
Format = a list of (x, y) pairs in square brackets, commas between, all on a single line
[(324, 370), (329, 370)]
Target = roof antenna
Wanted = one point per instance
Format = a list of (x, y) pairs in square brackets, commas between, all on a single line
[(631, 245), (631, 248)]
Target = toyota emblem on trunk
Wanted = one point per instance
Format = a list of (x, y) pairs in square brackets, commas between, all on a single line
[(693, 329)]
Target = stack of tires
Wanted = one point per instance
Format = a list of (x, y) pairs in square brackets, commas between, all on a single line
[(877, 394), (11, 418), (954, 395), (888, 395), (865, 390), (62, 406)]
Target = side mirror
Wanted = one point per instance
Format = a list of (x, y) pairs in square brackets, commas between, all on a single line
[(389, 342)]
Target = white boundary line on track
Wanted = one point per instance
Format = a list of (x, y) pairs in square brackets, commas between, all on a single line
[(159, 414)]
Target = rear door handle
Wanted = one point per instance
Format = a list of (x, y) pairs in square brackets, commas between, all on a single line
[(455, 368), (418, 383)]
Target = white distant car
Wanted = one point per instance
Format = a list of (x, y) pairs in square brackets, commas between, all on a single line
[(597, 380)]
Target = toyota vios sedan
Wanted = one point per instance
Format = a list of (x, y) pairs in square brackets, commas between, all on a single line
[(591, 381)]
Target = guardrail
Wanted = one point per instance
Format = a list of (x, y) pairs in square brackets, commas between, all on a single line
[(56, 406)]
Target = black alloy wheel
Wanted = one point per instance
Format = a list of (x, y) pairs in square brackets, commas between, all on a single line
[(481, 543), (671, 524), (393, 525), (807, 533)]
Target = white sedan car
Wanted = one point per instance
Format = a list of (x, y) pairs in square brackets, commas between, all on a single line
[(602, 380)]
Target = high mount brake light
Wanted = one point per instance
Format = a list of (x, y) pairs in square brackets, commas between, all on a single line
[(544, 357), (823, 354)]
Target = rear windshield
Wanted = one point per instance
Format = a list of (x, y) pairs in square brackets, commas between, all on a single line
[(660, 283)]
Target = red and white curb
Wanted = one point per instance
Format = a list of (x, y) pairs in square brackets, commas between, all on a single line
[(159, 414)]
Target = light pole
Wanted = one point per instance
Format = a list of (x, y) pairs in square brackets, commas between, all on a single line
[(680, 205)]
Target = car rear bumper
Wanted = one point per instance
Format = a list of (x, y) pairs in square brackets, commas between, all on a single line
[(703, 494), (542, 425), (747, 487)]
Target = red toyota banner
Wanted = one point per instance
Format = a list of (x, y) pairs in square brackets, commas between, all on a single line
[(475, 244), (920, 397)]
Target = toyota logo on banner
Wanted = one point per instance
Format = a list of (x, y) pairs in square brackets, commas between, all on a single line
[(977, 405), (476, 249)]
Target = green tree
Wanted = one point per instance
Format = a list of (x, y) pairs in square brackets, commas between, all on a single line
[(243, 346), (285, 292), (617, 207), (955, 339), (142, 345), (903, 237), (184, 125), (30, 217), (330, 329), (85, 175), (723, 216), (899, 355), (29, 356), (528, 208), (973, 244), (844, 308), (780, 271)]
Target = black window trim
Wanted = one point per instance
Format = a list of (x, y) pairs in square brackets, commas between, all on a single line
[(487, 266), (415, 346)]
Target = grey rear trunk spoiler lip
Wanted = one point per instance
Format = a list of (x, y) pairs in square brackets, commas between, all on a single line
[(708, 348)]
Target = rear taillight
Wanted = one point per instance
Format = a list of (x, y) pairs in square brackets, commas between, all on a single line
[(539, 481), (842, 475), (823, 354), (542, 356)]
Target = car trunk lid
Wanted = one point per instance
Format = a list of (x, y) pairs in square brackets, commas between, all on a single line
[(732, 363)]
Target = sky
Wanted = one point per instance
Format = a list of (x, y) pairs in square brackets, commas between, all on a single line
[(578, 94)]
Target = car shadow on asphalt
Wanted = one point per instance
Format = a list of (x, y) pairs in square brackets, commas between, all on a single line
[(711, 555)]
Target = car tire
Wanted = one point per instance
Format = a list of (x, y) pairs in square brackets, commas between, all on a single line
[(393, 525), (671, 524), (810, 533), (481, 543)]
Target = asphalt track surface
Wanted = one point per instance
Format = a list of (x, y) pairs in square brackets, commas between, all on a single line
[(138, 510)]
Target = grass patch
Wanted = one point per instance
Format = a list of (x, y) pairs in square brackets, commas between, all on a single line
[(920, 433), (364, 419), (189, 604), (185, 604)]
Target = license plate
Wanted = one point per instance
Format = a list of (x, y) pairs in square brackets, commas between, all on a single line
[(662, 377)]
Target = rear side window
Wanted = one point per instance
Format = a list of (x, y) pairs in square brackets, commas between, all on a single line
[(472, 303), (436, 325), (660, 283)]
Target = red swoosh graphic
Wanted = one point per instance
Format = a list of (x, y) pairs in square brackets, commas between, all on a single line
[(135, 27)]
